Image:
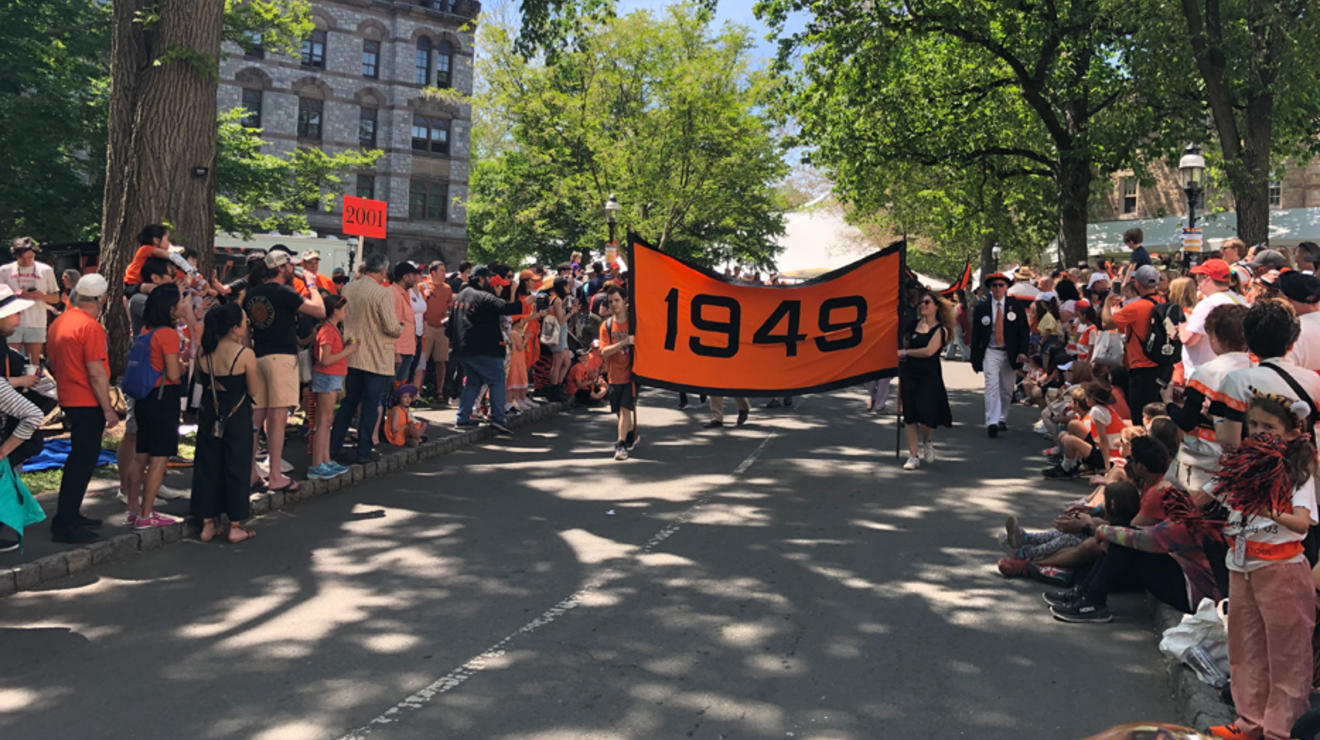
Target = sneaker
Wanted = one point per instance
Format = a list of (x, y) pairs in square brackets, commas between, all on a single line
[(620, 452), (8, 545), (928, 452), (742, 417), (171, 494), (336, 469), (75, 536), (1228, 731), (1040, 429), (1051, 574), (1003, 426), (155, 519), (712, 424), (912, 463), (466, 424), (319, 472), (1012, 567), (130, 518), (1059, 473), (1061, 598), (1013, 532), (500, 427), (1082, 611), (632, 440)]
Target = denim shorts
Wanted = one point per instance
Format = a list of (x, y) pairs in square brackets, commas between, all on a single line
[(322, 383)]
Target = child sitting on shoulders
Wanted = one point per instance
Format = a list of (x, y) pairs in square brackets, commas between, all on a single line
[(401, 429)]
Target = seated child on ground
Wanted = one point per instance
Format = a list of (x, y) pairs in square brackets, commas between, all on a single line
[(401, 429)]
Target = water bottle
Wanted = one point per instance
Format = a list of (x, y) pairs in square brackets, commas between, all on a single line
[(1206, 668)]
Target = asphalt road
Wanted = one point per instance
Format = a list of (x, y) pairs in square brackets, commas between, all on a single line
[(785, 579)]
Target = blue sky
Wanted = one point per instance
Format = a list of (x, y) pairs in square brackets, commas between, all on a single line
[(736, 11)]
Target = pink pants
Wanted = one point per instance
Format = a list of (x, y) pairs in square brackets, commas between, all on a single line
[(1271, 613)]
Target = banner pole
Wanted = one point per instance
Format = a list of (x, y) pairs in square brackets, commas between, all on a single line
[(902, 340)]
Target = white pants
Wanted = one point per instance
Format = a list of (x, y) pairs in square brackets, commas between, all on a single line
[(999, 381)]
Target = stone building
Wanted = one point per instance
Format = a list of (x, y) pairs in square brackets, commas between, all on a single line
[(375, 74), (1159, 208)]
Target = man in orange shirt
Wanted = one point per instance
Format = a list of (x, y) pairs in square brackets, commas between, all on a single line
[(1145, 378), (76, 345), (435, 344), (616, 343), (311, 263)]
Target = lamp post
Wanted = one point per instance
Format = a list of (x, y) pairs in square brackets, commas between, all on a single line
[(1191, 169), (996, 251), (612, 209)]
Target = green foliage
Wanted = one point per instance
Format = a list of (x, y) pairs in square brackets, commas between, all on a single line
[(960, 92), (54, 90), (281, 24), (260, 192), (662, 110)]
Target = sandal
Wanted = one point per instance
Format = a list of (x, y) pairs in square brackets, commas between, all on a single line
[(259, 485), (208, 531), (292, 485), (247, 534)]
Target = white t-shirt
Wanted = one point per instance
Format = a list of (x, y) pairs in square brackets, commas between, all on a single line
[(1306, 352), (1264, 530), (1238, 385), (1201, 353), (39, 276), (418, 303)]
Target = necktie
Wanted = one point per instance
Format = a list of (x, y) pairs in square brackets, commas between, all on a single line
[(999, 323)]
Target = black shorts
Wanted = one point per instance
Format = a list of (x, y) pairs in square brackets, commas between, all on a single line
[(622, 396), (158, 423), (1095, 460)]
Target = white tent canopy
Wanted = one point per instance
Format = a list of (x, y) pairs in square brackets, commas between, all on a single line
[(817, 239)]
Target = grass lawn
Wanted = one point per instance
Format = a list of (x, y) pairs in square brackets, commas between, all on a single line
[(49, 480)]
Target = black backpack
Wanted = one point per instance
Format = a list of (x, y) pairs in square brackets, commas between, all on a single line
[(1162, 345)]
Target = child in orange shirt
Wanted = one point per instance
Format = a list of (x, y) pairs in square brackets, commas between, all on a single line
[(401, 429), (516, 380)]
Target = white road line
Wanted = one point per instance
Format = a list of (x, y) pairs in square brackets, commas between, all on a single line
[(456, 677)]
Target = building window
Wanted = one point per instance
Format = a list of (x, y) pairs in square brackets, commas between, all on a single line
[(427, 201), (252, 47), (423, 74), (367, 128), (252, 105), (309, 118), (444, 64), (1276, 193), (366, 186), (371, 59), (430, 135), (1129, 195), (313, 50)]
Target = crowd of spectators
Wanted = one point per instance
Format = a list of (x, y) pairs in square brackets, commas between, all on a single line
[(1184, 395), (349, 356)]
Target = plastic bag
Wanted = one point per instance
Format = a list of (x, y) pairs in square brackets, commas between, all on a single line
[(1108, 349), (1201, 641)]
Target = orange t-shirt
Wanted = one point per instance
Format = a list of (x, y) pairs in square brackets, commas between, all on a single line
[(164, 342), (618, 366), (1133, 319), (133, 275), (76, 338), (396, 426)]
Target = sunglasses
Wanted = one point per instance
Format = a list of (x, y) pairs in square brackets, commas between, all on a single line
[(927, 302)]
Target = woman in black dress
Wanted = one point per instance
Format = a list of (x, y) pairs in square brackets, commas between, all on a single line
[(925, 402)]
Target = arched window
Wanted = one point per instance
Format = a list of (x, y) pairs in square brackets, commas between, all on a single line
[(444, 64), (423, 61)]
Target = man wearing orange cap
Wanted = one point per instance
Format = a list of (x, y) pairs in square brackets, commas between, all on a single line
[(1212, 279), (999, 341)]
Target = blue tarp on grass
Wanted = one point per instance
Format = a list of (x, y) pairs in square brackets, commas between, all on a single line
[(56, 453)]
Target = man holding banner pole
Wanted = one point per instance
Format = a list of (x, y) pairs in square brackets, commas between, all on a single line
[(999, 339)]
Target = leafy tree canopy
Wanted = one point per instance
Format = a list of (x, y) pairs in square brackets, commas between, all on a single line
[(661, 109)]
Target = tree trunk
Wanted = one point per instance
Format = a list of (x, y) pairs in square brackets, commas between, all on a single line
[(1251, 183), (988, 265), (162, 125), (1074, 184)]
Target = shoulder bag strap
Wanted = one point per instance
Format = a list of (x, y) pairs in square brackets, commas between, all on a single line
[(1314, 417)]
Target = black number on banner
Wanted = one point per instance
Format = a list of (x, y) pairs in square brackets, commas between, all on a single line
[(729, 328), (828, 325), (787, 310), (671, 318)]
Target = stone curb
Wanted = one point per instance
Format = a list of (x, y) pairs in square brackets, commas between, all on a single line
[(1198, 703), (30, 575)]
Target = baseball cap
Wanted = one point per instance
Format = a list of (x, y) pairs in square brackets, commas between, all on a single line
[(276, 259), (1268, 258), (91, 286), (11, 304), (1097, 277), (338, 271), (1297, 286), (311, 254), (1147, 276), (1215, 269), (482, 272), (281, 248)]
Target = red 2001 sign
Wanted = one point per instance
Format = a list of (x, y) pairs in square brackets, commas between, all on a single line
[(365, 217)]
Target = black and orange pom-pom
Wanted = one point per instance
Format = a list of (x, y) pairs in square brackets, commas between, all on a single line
[(1179, 508), (1253, 478)]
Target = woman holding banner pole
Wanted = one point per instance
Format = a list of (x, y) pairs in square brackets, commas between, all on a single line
[(921, 381)]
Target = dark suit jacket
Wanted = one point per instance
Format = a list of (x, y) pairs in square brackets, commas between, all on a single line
[(1016, 330)]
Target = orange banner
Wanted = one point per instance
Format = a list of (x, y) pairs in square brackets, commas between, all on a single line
[(697, 330)]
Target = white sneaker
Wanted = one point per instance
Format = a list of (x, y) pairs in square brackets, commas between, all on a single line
[(172, 494), (912, 463), (928, 452)]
